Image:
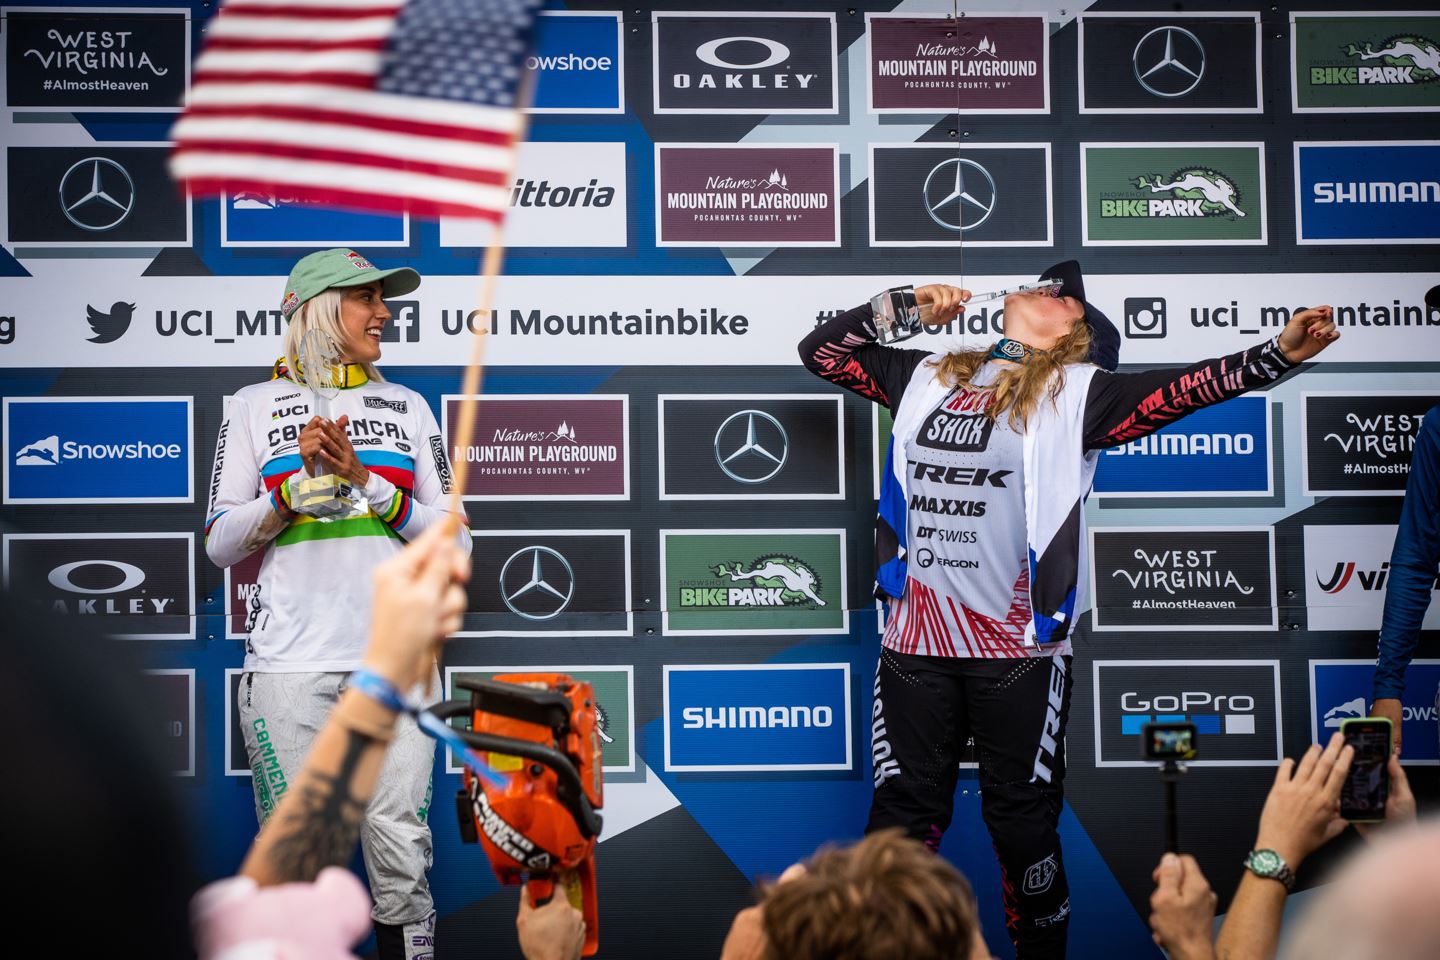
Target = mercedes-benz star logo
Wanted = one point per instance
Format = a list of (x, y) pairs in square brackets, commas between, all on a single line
[(537, 583), (97, 194), (1169, 61), (961, 202), (751, 446)]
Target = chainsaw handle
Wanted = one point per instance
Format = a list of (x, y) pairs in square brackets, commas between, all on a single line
[(568, 791), (541, 887)]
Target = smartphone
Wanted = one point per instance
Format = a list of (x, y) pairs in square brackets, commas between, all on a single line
[(1367, 787)]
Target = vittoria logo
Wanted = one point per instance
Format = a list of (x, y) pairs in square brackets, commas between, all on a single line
[(1347, 570), (781, 581)]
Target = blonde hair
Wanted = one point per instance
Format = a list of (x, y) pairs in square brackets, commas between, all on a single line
[(1017, 390), (321, 312)]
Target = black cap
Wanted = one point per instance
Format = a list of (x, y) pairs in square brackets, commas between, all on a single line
[(1432, 298), (1104, 338)]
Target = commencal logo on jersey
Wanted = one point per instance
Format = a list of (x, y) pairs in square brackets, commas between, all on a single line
[(1188, 192), (773, 580)]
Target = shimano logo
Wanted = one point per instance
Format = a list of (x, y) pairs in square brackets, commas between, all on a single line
[(1187, 445), (1378, 191), (744, 718), (947, 508), (961, 476)]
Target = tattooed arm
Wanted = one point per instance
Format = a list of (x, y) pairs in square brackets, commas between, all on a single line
[(418, 601)]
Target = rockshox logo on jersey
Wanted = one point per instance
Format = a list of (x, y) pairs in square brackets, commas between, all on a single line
[(958, 425)]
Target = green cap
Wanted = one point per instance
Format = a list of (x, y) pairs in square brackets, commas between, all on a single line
[(318, 272)]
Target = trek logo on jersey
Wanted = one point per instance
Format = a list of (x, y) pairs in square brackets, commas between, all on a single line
[(1343, 690), (98, 450), (1219, 451), (757, 717), (1368, 193), (137, 585), (1352, 61), (1234, 704), (959, 476), (1360, 444), (1176, 193), (753, 582), (1347, 569)]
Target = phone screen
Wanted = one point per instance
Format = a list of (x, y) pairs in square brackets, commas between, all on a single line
[(1368, 785)]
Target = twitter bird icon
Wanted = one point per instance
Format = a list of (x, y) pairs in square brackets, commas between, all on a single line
[(109, 327)]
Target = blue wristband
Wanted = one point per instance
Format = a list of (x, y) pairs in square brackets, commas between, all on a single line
[(379, 689)]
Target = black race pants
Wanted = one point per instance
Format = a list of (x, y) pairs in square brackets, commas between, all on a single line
[(925, 709)]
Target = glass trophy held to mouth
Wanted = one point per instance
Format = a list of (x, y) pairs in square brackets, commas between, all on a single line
[(322, 371), (898, 316)]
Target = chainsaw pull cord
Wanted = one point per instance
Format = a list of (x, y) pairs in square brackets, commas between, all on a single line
[(382, 691)]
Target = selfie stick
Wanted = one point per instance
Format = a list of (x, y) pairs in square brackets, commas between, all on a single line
[(1170, 772)]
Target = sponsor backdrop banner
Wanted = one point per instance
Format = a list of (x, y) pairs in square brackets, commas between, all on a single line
[(666, 503)]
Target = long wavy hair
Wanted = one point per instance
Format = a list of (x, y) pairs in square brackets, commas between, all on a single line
[(321, 312), (1019, 388)]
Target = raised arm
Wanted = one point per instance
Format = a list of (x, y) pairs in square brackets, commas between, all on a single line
[(1122, 407)]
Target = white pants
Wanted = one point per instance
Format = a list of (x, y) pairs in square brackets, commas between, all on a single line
[(281, 713)]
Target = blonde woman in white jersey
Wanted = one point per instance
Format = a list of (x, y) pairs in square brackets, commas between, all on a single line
[(307, 624)]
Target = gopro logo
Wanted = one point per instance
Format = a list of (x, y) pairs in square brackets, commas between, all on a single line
[(1145, 317)]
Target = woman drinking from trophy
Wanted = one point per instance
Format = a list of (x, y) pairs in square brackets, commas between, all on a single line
[(981, 549), (329, 470)]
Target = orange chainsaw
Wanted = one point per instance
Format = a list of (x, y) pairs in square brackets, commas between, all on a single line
[(535, 809)]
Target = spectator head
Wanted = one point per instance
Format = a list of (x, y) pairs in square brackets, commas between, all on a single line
[(885, 898), (1381, 905)]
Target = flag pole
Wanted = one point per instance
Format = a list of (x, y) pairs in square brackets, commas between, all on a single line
[(470, 384)]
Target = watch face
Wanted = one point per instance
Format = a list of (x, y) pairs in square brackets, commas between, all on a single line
[(1265, 862)]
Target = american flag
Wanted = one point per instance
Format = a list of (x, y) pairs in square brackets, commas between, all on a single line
[(365, 104)]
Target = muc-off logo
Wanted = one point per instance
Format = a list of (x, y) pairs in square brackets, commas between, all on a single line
[(379, 403), (442, 463)]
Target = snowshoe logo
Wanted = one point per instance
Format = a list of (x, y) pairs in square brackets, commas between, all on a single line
[(42, 453), (1192, 192), (1039, 876), (379, 403), (778, 580), (1403, 59), (1349, 710)]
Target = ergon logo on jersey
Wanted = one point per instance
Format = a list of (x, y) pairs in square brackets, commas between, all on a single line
[(961, 476)]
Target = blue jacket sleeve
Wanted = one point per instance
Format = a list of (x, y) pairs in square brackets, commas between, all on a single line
[(1414, 562)]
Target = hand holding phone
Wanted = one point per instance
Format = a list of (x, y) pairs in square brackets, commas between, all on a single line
[(1367, 785)]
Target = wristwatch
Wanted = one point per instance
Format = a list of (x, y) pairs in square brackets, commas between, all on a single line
[(1271, 866)]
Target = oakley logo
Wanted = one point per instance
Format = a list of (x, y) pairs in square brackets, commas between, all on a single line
[(775, 53), (537, 583), (131, 576), (751, 446), (1169, 61), (959, 194)]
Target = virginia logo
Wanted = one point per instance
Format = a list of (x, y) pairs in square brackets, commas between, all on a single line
[(111, 326), (1193, 192), (1407, 58), (41, 453)]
